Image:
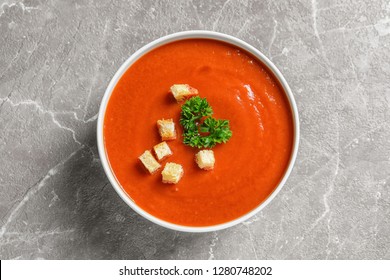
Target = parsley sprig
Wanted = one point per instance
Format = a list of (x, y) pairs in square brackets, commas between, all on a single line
[(200, 129)]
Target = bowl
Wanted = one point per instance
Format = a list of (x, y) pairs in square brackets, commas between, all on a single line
[(198, 34)]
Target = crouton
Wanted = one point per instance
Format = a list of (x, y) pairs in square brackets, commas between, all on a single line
[(183, 92), (162, 151), (172, 173), (149, 162), (205, 159), (166, 128)]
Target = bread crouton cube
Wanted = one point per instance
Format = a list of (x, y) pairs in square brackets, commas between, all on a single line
[(162, 150), (149, 162), (172, 173), (166, 128), (205, 159), (182, 92)]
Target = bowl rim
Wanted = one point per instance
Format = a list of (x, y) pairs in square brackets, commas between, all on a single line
[(194, 34)]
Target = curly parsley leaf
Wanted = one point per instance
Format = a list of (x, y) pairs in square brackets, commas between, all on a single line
[(204, 134), (193, 110)]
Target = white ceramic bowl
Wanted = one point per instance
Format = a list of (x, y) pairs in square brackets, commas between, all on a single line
[(168, 39)]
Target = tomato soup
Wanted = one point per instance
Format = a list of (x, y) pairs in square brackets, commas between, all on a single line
[(240, 89)]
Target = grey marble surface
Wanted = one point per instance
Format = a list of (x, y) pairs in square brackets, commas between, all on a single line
[(56, 59)]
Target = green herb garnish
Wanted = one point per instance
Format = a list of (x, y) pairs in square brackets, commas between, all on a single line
[(200, 129)]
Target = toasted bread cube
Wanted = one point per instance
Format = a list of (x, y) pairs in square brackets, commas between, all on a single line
[(172, 173), (205, 159), (166, 128), (149, 162), (162, 151), (182, 92)]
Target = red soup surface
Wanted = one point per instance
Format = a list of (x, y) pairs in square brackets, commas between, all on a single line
[(240, 89)]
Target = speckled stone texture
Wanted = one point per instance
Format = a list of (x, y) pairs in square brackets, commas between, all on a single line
[(56, 59)]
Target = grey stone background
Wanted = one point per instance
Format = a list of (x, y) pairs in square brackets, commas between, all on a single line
[(56, 59)]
